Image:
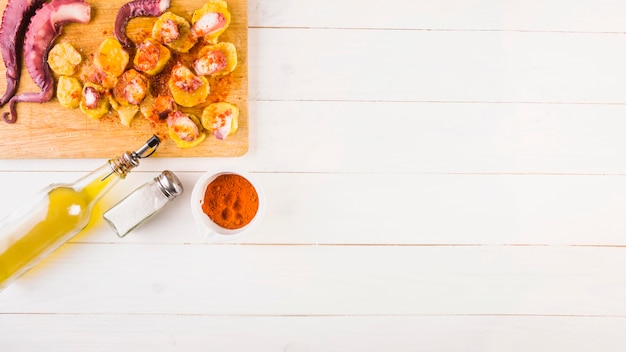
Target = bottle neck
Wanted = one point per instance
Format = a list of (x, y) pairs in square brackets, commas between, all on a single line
[(98, 182)]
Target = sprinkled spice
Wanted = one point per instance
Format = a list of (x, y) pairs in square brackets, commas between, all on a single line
[(230, 201)]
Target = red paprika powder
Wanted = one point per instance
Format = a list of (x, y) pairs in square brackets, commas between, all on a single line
[(230, 201)]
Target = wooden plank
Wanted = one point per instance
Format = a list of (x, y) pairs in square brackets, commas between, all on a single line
[(323, 280), (510, 15), (406, 137), (448, 66), (402, 209), (51, 131), (412, 137), (107, 332)]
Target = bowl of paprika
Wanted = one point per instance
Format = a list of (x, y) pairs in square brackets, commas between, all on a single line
[(227, 204)]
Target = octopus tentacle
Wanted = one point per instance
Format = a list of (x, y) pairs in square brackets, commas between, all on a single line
[(43, 96), (136, 8), (14, 21), (44, 27)]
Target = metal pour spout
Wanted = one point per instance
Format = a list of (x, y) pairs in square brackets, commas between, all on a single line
[(129, 160), (151, 146)]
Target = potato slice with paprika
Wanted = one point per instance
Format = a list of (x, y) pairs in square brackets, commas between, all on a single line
[(111, 57), (131, 88), (185, 129), (218, 59), (222, 119), (157, 108), (128, 93), (174, 32), (69, 92), (210, 20), (95, 101), (187, 89), (151, 57)]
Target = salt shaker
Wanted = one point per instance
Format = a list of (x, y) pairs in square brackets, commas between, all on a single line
[(143, 203), (58, 213)]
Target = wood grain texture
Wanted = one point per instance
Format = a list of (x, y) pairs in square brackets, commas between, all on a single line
[(51, 131), (446, 15), (399, 209), (130, 333), (236, 280), (437, 66), (410, 137)]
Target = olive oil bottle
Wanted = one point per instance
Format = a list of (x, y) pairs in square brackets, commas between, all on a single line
[(58, 213)]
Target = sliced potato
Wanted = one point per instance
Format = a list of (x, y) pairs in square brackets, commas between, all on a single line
[(185, 129), (126, 113), (218, 59), (187, 89), (91, 73), (131, 88), (111, 57), (95, 101), (151, 57), (64, 59), (147, 108), (157, 108), (221, 119), (210, 20), (174, 32), (128, 93), (69, 92)]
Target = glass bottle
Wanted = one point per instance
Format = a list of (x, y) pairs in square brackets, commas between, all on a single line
[(58, 213), (143, 203)]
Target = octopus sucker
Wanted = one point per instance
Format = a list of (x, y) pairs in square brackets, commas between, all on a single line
[(14, 21), (136, 8), (45, 26)]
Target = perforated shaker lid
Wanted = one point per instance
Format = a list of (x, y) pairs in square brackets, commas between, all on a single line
[(169, 184)]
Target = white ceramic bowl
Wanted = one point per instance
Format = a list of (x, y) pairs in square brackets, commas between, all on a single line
[(209, 229)]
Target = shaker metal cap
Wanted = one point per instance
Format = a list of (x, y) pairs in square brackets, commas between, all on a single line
[(169, 184)]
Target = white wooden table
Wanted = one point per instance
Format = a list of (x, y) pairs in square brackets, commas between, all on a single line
[(441, 176)]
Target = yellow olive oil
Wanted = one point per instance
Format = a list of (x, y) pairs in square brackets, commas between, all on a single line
[(61, 212), (58, 214)]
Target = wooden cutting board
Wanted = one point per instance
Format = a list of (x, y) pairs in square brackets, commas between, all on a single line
[(49, 130)]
